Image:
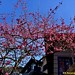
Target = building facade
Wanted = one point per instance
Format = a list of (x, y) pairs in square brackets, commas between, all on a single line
[(62, 61)]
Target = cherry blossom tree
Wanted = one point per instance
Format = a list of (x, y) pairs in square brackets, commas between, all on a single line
[(34, 34)]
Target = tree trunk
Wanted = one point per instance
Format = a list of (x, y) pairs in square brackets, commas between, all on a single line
[(50, 56), (50, 64)]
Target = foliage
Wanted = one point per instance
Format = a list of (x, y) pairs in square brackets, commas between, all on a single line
[(27, 36)]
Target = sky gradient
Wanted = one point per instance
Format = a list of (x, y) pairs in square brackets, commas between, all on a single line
[(66, 10)]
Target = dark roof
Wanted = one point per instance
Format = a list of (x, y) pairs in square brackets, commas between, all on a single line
[(31, 61)]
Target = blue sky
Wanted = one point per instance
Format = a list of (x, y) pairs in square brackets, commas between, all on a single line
[(66, 10)]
